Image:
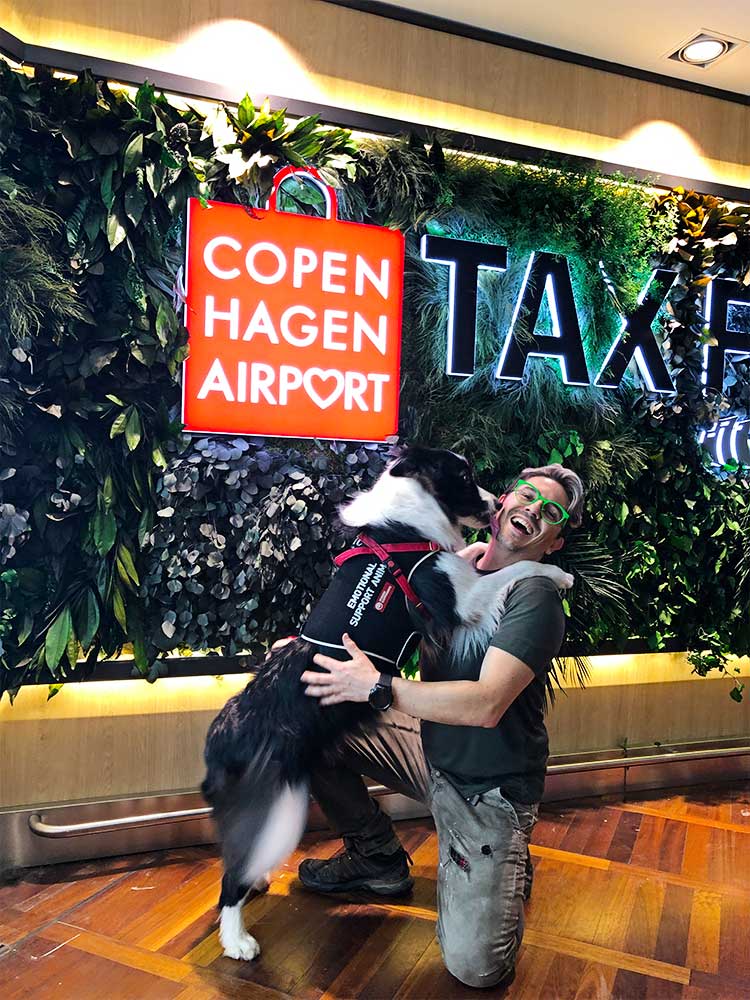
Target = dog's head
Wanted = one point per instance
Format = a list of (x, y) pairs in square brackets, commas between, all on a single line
[(449, 479)]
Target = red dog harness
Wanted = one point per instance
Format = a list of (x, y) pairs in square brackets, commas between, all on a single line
[(369, 545), (363, 600)]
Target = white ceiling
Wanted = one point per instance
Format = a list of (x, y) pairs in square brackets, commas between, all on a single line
[(637, 33)]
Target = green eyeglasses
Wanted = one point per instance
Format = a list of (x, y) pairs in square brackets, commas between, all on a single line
[(552, 512)]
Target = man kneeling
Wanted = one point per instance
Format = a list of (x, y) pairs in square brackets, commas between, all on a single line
[(478, 759)]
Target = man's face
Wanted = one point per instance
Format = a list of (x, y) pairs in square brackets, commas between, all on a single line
[(519, 527)]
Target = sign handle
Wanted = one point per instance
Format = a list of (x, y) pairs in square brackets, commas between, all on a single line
[(311, 174)]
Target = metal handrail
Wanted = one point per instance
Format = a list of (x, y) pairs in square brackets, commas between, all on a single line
[(38, 826), (653, 758)]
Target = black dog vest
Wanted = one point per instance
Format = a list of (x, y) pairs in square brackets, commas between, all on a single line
[(371, 598)]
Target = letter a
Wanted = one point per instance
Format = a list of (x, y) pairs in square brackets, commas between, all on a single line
[(216, 381), (545, 273)]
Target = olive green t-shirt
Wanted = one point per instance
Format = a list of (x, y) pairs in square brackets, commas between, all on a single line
[(512, 755)]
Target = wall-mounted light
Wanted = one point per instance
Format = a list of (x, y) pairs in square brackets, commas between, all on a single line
[(704, 49)]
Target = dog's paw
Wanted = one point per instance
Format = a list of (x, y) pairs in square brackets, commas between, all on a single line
[(243, 947), (568, 580)]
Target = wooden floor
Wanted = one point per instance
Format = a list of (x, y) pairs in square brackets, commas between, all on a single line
[(644, 899)]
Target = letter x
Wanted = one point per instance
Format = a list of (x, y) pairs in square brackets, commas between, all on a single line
[(637, 341)]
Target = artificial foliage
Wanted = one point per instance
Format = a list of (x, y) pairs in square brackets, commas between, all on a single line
[(117, 530)]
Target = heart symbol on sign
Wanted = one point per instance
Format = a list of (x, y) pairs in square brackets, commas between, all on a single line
[(324, 375)]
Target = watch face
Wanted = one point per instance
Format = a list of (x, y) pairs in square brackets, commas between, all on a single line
[(381, 697)]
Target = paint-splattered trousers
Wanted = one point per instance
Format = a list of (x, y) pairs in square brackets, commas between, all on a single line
[(482, 842)]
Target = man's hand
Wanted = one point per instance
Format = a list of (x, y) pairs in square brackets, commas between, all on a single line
[(347, 680)]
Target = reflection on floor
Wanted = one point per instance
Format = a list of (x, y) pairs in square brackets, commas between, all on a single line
[(645, 898)]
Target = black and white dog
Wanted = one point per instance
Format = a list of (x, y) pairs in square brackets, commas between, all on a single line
[(399, 583)]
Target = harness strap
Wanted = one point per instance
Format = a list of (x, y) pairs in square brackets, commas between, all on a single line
[(383, 553)]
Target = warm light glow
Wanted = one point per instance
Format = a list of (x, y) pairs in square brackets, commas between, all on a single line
[(665, 147), (625, 669), (113, 699), (703, 51), (244, 57)]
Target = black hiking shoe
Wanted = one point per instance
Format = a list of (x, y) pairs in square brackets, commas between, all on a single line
[(383, 874)]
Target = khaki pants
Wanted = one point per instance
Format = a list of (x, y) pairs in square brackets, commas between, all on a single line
[(482, 843)]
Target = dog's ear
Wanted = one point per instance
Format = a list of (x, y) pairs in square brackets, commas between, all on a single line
[(405, 464)]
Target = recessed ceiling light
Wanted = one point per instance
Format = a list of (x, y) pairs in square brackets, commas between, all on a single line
[(704, 49)]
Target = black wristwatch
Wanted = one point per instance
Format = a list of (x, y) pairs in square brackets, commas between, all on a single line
[(381, 696)]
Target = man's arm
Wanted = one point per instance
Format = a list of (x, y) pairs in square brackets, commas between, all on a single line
[(457, 703), (467, 703)]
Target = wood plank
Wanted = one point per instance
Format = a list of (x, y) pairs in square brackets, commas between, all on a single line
[(734, 951), (668, 878), (614, 918), (596, 982), (647, 847), (580, 830), (672, 939), (608, 956), (47, 971), (694, 819), (672, 846), (532, 968), (50, 894), (352, 978), (600, 840), (629, 985), (695, 857), (624, 837), (161, 966), (704, 932), (413, 940), (552, 826), (643, 927), (563, 978)]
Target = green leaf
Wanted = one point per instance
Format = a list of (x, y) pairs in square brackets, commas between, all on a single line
[(118, 606), (157, 456), (118, 424), (105, 186), (133, 430), (105, 142), (126, 557), (144, 526), (555, 457), (245, 111), (104, 531), (90, 619), (135, 203), (133, 154), (116, 231), (57, 638), (166, 321), (71, 648)]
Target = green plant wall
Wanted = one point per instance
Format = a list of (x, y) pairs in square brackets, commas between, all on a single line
[(116, 529)]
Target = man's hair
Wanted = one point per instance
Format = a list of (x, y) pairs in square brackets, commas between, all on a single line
[(569, 481)]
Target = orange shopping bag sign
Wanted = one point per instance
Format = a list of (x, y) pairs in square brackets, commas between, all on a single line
[(294, 322)]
